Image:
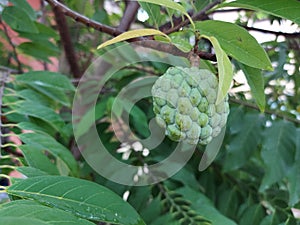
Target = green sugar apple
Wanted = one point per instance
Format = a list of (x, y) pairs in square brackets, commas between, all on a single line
[(184, 101)]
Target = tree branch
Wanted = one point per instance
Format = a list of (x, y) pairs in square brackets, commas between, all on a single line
[(168, 48), (269, 112), (277, 33), (129, 15), (66, 41)]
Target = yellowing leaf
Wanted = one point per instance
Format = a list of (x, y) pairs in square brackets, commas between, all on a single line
[(224, 68), (133, 34)]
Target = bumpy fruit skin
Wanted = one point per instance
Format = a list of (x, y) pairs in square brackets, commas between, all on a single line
[(184, 103)]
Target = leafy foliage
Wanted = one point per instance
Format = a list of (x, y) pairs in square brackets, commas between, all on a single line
[(255, 176)]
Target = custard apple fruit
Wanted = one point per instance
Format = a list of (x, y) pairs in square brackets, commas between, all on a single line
[(184, 103)]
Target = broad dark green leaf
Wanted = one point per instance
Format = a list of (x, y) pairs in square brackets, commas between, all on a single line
[(46, 79), (282, 8), (39, 50), (30, 209), (294, 175), (22, 4), (18, 19), (236, 42), (45, 142), (244, 143), (34, 96), (59, 96), (252, 215), (37, 128), (204, 206), (80, 197), (278, 151), (36, 158), (11, 220), (29, 108), (256, 82), (30, 171)]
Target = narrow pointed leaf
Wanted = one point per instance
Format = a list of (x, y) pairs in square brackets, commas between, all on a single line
[(30, 171), (245, 142), (286, 9), (47, 143), (29, 108), (256, 82), (133, 34), (18, 19), (24, 5), (236, 42), (36, 158), (172, 5), (82, 198), (31, 209), (294, 175), (46, 79), (278, 151), (224, 69)]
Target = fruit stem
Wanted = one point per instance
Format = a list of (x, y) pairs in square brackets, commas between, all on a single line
[(194, 59)]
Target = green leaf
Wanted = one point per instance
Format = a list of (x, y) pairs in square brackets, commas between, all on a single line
[(256, 82), (39, 50), (54, 94), (45, 142), (24, 5), (294, 175), (79, 197), (46, 79), (224, 68), (288, 10), (245, 142), (11, 220), (236, 42), (18, 19), (204, 206), (30, 171), (181, 40), (133, 34), (34, 96), (35, 157), (29, 108), (153, 11), (172, 5), (252, 215), (30, 209), (278, 152)]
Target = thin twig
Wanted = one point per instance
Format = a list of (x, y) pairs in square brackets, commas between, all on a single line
[(19, 64), (269, 112), (66, 41), (277, 33)]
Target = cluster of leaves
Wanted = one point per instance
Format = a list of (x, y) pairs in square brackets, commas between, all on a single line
[(255, 178)]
